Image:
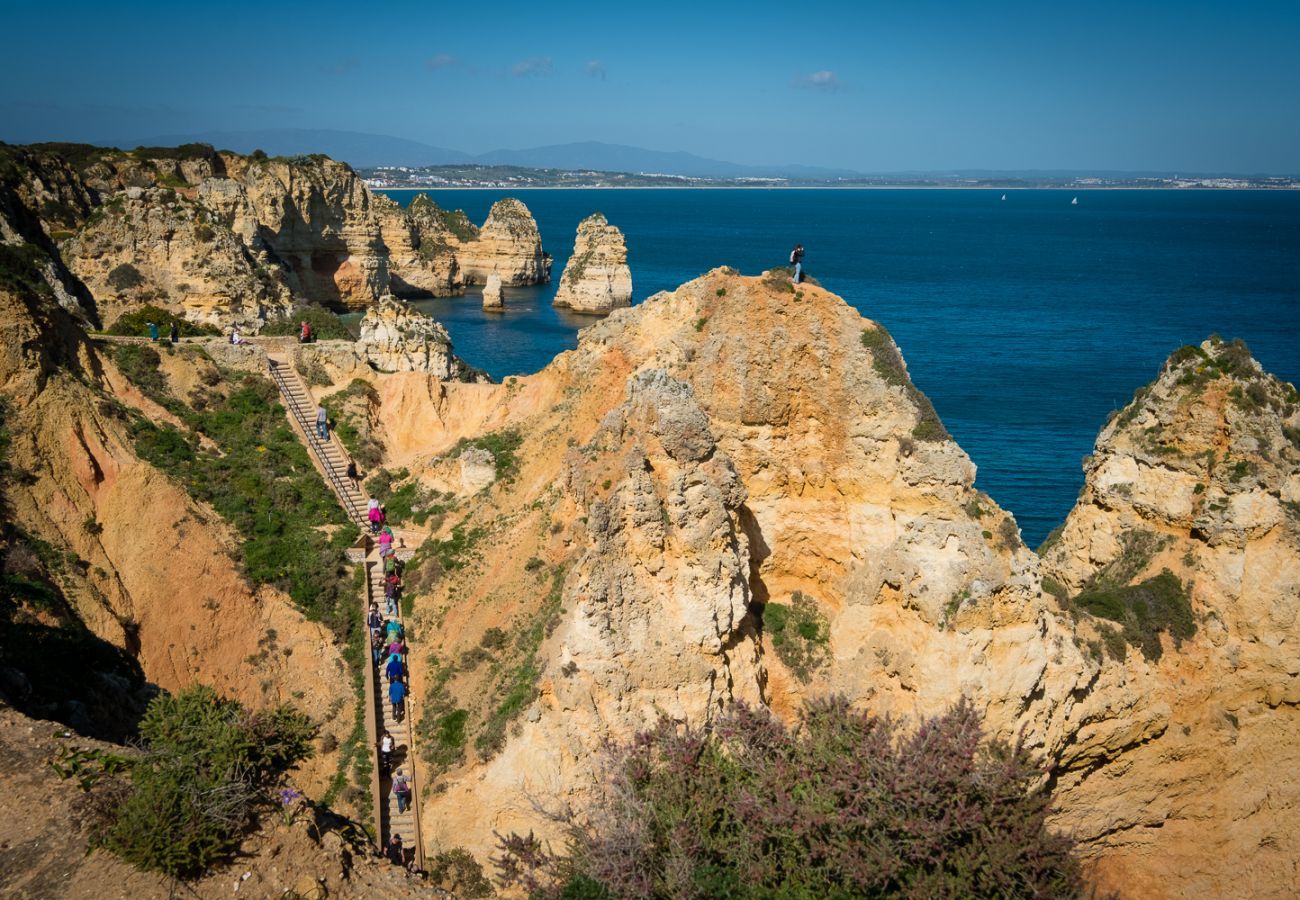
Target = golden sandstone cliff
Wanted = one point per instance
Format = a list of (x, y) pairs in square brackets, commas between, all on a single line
[(730, 492), (230, 240)]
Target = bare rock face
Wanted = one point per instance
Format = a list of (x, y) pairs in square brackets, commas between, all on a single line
[(492, 294), (396, 338), (596, 278), (422, 259), (151, 245), (654, 616), (508, 244), (316, 217), (1170, 781)]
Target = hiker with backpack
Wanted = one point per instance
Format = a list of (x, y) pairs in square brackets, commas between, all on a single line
[(353, 475), (396, 852), (796, 260), (402, 791), (175, 332), (386, 753), (304, 336), (375, 515)]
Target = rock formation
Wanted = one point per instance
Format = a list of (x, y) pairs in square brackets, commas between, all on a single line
[(422, 260), (508, 244), (396, 338), (151, 245), (1167, 781), (596, 279), (492, 299)]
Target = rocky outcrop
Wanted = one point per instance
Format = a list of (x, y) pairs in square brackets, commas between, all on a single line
[(396, 338), (596, 279), (795, 466), (1167, 780), (151, 245), (422, 261), (508, 244), (492, 299), (314, 215)]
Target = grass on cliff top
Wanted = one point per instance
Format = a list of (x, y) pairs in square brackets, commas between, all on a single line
[(888, 363), (259, 479), (326, 325)]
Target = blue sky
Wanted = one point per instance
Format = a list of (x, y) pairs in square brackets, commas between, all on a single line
[(1187, 86)]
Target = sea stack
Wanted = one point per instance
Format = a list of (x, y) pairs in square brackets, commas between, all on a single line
[(596, 278), (492, 300), (508, 244)]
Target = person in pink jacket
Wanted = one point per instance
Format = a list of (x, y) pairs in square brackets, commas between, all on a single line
[(376, 517)]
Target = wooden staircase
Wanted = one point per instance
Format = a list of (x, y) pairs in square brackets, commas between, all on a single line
[(330, 458), (327, 453)]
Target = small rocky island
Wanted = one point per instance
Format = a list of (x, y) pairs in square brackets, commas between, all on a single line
[(596, 278)]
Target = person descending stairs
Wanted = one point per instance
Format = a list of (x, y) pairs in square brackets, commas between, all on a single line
[(397, 787), (330, 455)]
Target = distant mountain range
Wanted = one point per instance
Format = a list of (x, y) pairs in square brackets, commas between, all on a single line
[(367, 151)]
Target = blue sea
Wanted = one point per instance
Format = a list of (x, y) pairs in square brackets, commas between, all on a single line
[(1026, 320)]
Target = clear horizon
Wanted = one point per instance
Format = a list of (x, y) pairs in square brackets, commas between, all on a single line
[(1195, 87)]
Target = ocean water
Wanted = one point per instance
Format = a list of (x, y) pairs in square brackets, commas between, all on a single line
[(1026, 321)]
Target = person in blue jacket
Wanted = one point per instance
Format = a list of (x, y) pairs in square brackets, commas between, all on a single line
[(394, 670), (397, 694)]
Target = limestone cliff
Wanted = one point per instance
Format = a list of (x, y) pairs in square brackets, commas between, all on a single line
[(796, 469), (596, 278), (421, 259), (152, 245), (1185, 544), (508, 244)]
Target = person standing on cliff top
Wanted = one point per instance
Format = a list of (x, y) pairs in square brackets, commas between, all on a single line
[(796, 260)]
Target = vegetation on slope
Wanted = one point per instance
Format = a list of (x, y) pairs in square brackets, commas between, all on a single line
[(257, 476), (208, 772), (843, 805), (327, 326)]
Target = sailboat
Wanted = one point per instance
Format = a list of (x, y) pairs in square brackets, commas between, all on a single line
[(1004, 196), (1074, 202)]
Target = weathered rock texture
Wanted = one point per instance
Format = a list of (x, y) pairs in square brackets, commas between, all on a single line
[(1174, 780), (422, 260), (151, 245), (508, 244), (733, 474), (596, 279), (236, 241), (492, 293), (396, 338)]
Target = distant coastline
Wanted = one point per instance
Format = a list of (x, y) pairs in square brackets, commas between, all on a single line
[(821, 187)]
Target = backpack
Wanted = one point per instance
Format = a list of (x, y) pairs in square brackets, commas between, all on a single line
[(401, 787)]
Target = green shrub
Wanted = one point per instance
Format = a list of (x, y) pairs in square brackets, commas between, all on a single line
[(1144, 611), (843, 805), (411, 502), (209, 767), (136, 323), (458, 873), (800, 634), (124, 277), (326, 325)]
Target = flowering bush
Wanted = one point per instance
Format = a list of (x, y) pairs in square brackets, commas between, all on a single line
[(845, 804)]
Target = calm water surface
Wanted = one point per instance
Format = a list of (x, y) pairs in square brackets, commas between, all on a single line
[(1026, 321)]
